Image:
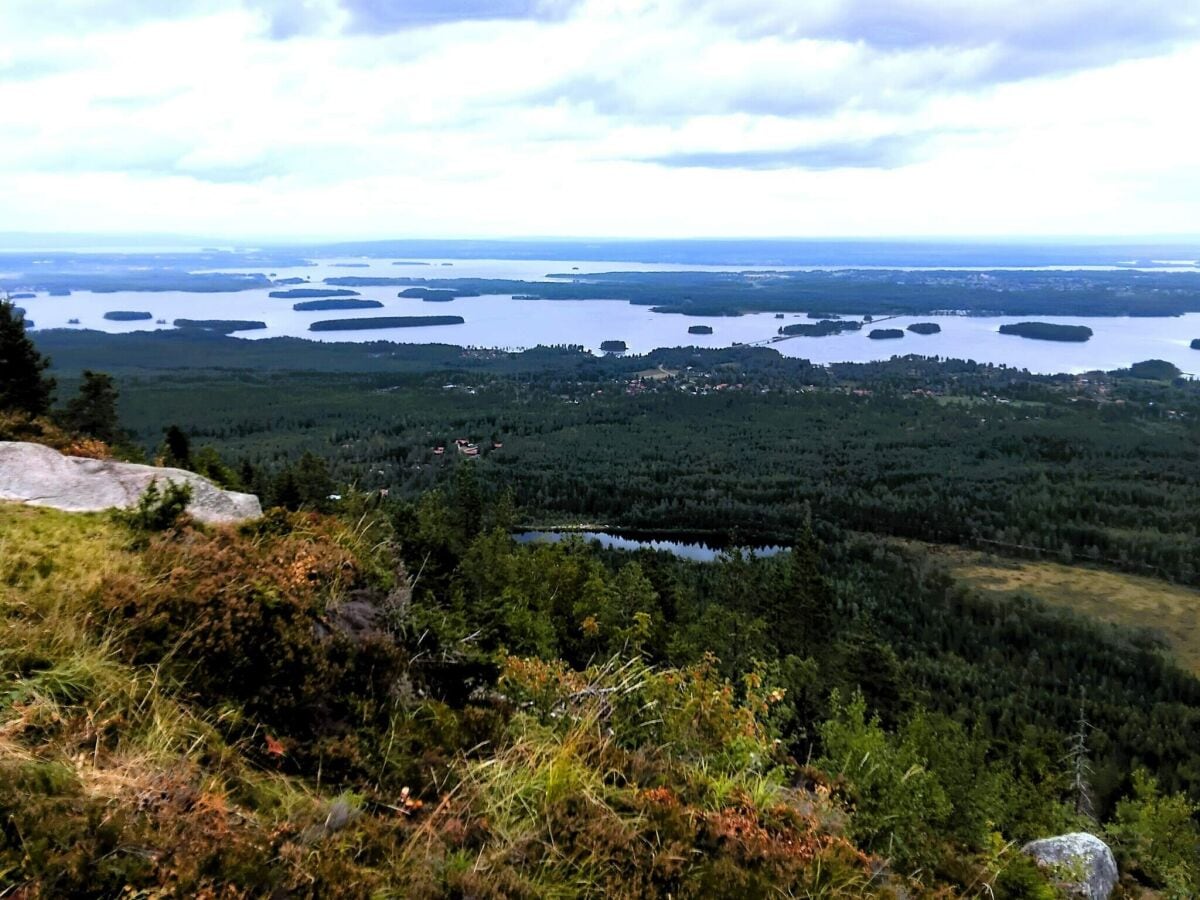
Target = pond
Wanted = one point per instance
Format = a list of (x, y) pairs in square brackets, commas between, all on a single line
[(697, 552)]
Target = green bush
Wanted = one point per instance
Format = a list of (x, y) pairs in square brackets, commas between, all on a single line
[(159, 510), (898, 804), (1157, 836)]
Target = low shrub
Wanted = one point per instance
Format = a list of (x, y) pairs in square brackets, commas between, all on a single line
[(254, 622)]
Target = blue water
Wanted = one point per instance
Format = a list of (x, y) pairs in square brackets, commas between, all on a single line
[(501, 321), (694, 551)]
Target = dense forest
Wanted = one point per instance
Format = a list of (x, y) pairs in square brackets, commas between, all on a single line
[(388, 694), (739, 443)]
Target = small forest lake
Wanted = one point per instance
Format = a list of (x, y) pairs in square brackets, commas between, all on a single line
[(507, 322), (697, 551)]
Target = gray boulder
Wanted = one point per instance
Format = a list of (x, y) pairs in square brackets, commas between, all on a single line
[(40, 476), (1081, 864)]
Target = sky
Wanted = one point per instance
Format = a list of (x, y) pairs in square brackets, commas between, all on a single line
[(327, 119)]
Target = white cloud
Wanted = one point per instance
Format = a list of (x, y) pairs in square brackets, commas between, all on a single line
[(623, 118)]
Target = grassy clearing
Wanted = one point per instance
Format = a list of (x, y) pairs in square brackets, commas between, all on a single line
[(1171, 611), (656, 374)]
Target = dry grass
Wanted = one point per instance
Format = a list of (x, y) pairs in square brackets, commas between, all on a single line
[(572, 805), (1171, 610), (68, 697), (57, 663)]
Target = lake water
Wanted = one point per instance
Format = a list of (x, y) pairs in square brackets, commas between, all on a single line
[(501, 321), (696, 552)]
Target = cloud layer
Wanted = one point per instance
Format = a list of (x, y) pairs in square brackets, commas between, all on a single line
[(476, 117)]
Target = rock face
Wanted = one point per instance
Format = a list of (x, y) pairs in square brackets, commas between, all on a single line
[(1082, 864), (40, 476)]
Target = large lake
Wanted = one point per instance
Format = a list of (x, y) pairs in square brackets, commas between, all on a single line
[(501, 321)]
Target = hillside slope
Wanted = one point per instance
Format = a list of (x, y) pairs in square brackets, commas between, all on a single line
[(126, 765), (405, 702)]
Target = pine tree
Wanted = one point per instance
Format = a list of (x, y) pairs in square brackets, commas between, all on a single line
[(23, 386), (93, 411)]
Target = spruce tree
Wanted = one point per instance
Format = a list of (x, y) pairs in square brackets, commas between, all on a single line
[(313, 481), (93, 411), (177, 448), (23, 385)]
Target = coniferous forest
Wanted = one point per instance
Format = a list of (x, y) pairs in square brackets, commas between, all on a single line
[(581, 449), (377, 690)]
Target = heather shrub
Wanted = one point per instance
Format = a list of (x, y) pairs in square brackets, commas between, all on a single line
[(625, 781), (251, 624)]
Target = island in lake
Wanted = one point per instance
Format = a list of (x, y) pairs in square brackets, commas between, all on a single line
[(433, 295), (924, 328), (24, 295), (700, 329), (384, 322), (302, 293), (336, 303), (1196, 344), (613, 346), (124, 315), (821, 329), (368, 281), (291, 280), (220, 326), (1048, 331), (885, 334)]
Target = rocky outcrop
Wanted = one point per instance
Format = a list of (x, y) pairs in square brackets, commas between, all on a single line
[(40, 476), (1081, 864)]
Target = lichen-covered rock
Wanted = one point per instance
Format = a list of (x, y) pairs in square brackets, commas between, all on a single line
[(1080, 863), (41, 476)]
